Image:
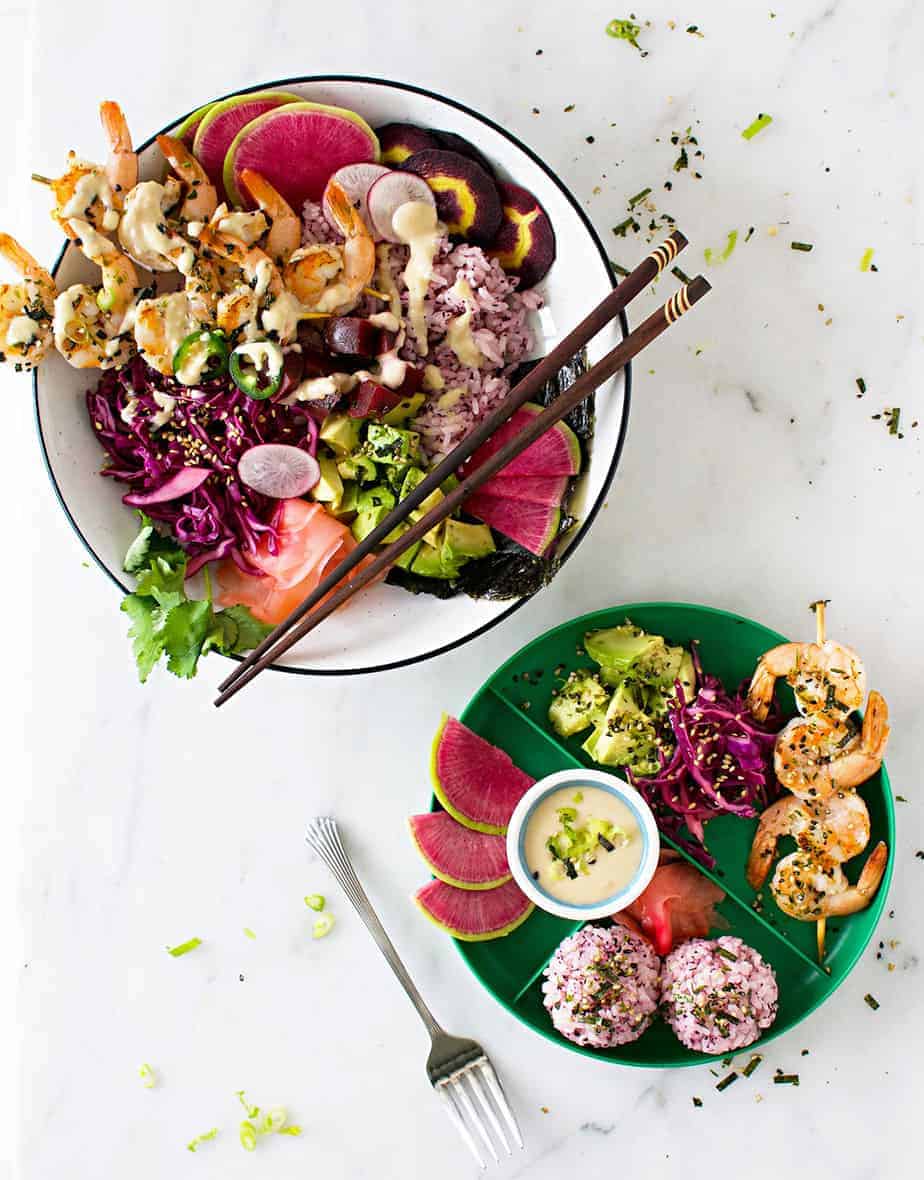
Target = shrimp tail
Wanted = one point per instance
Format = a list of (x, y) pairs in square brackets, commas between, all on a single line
[(115, 126), (875, 734), (345, 215), (760, 692), (18, 256), (774, 823)]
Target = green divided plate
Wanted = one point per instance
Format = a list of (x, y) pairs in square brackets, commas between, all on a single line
[(510, 710)]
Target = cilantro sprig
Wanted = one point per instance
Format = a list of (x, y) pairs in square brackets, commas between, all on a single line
[(165, 623)]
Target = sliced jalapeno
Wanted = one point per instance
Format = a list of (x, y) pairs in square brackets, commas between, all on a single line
[(256, 368), (201, 357)]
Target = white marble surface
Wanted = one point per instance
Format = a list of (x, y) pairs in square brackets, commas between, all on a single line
[(753, 479)]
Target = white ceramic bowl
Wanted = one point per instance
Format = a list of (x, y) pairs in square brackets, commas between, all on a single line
[(577, 779), (386, 627)]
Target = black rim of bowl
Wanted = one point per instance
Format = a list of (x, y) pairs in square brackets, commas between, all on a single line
[(623, 427)]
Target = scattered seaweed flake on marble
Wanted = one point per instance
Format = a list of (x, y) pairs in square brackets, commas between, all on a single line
[(697, 1101), (695, 31), (802, 247), (871, 1001), (861, 385)]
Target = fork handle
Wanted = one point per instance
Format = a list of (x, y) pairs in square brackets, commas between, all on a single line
[(323, 837)]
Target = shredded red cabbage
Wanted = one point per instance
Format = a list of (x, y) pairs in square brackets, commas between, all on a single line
[(722, 763), (211, 425)]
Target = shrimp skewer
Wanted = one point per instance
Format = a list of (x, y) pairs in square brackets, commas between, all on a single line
[(816, 758), (200, 199), (285, 233), (26, 308), (809, 891), (260, 304), (94, 192), (832, 832), (332, 278)]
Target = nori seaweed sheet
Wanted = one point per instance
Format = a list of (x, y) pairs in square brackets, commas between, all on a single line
[(512, 571)]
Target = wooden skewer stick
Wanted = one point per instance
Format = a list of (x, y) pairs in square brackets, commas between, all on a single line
[(40, 179), (819, 609)]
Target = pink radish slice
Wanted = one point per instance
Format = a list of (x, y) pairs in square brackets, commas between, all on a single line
[(279, 471), (389, 193), (355, 180), (181, 484)]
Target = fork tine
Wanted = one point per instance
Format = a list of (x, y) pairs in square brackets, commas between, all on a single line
[(497, 1093), (474, 1077), (442, 1089), (459, 1092)]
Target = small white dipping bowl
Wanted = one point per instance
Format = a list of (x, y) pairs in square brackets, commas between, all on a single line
[(516, 831)]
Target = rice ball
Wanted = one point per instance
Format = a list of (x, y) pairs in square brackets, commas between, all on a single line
[(718, 995), (601, 986)]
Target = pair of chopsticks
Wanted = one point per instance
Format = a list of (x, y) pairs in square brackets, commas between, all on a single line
[(314, 611)]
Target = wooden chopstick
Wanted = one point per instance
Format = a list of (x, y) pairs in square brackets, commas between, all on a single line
[(610, 307), (678, 304)]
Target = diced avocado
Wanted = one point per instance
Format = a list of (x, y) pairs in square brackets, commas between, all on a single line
[(404, 410), (449, 484), (617, 648), (405, 561), (359, 467), (580, 703), (466, 540), (391, 445), (398, 531), (365, 522), (395, 476), (346, 508), (341, 433), (687, 676), (329, 488), (371, 499), (429, 564), (625, 736), (426, 505), (412, 477), (435, 536)]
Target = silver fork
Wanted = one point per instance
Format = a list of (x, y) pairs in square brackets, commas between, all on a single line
[(459, 1070)]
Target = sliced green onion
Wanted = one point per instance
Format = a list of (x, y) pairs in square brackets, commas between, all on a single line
[(322, 926), (726, 954), (274, 1120), (248, 1136), (315, 901), (805, 247), (617, 269), (249, 933), (147, 1075), (756, 1059), (697, 1101), (633, 201), (295, 1129), (730, 243), (577, 797), (105, 299), (624, 30), (252, 1111), (184, 948), (726, 1081), (786, 1079), (861, 385), (679, 274), (204, 1138), (872, 1001), (895, 415), (757, 126), (866, 260)]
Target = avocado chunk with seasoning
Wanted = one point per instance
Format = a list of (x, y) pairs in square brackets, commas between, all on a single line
[(391, 445), (581, 702), (626, 736), (617, 649), (341, 433), (329, 488), (345, 509), (359, 467), (404, 410)]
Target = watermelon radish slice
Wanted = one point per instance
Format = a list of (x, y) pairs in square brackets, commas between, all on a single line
[(190, 125), (535, 489), (458, 855), (221, 124), (557, 452), (390, 192), (474, 915), (356, 180), (476, 782), (278, 470), (298, 147), (534, 526)]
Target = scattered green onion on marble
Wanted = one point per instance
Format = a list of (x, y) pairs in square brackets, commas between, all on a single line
[(756, 126), (184, 947)]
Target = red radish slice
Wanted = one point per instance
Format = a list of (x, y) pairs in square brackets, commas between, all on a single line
[(389, 193), (278, 471), (181, 484), (355, 180)]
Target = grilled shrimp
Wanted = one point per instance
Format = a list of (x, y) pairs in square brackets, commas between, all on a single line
[(830, 832), (285, 232), (808, 890), (816, 757), (332, 278), (145, 233), (260, 304), (161, 326), (90, 323), (200, 198), (95, 192), (26, 308), (823, 676)]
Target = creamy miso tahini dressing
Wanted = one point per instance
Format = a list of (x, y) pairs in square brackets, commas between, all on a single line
[(416, 224), (249, 226), (22, 330), (580, 824), (459, 329), (91, 187)]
